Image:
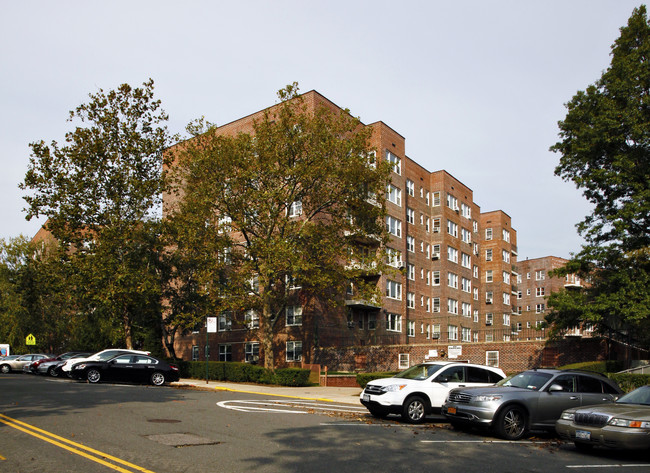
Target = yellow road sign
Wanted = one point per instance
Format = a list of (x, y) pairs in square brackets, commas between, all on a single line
[(30, 340)]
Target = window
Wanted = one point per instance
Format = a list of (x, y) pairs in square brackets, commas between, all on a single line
[(488, 276), (394, 226), (475, 226), (410, 300), (506, 256), (395, 161), (411, 328), (452, 202), (465, 285), (488, 297), (539, 291), (436, 304), (410, 271), (393, 322), (488, 255), (465, 211), (428, 225), (410, 187), (452, 228), (427, 198), (394, 195), (410, 216), (435, 331), (252, 352), (488, 233), (195, 353), (372, 321), (489, 318), (294, 351), (410, 244), (225, 321), (475, 271), (393, 290), (475, 294), (436, 278), (403, 361), (295, 209), (506, 298), (293, 315), (290, 282), (466, 260), (452, 254), (452, 332), (506, 235), (492, 358), (506, 319), (539, 308), (252, 319), (539, 275), (435, 252), (466, 309), (475, 316), (393, 257), (436, 199), (452, 306), (465, 235), (466, 334), (436, 225), (452, 280), (506, 277), (225, 352)]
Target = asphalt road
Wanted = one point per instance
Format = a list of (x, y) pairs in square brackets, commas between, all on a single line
[(58, 425)]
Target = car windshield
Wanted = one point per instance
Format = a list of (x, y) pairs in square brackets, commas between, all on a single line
[(419, 372), (532, 380), (638, 396)]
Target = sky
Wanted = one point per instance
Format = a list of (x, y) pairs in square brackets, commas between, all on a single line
[(475, 87)]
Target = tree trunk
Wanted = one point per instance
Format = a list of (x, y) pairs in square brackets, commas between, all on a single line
[(266, 337)]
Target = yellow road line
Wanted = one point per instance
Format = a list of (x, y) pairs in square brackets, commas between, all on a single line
[(60, 442), (2, 458)]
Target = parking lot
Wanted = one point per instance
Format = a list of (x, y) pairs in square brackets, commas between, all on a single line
[(60, 425)]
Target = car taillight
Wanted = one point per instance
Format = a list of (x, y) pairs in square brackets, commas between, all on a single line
[(174, 367)]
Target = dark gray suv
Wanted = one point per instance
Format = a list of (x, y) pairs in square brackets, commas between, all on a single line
[(533, 399)]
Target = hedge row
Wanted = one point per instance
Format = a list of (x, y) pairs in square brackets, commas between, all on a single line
[(243, 373)]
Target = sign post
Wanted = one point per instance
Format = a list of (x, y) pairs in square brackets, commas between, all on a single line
[(211, 327)]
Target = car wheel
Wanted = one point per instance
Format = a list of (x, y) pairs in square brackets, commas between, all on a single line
[(414, 410), (378, 413), (511, 424), (5, 369), (157, 379), (93, 375), (51, 371)]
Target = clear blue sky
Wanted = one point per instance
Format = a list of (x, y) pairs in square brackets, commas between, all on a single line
[(475, 87)]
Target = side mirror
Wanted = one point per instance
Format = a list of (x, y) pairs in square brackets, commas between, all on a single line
[(555, 388)]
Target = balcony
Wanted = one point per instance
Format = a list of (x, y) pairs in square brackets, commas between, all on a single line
[(362, 304)]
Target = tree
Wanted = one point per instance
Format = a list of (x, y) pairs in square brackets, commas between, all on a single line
[(605, 151), (102, 192), (277, 207)]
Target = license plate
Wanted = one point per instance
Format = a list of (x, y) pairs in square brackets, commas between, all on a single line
[(366, 397), (583, 435), (451, 410)]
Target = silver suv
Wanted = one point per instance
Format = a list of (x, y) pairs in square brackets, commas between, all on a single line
[(422, 388), (533, 399)]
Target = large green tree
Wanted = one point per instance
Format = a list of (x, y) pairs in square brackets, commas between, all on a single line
[(605, 151), (101, 192), (275, 209)]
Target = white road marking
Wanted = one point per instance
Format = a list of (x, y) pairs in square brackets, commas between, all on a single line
[(272, 405), (619, 465)]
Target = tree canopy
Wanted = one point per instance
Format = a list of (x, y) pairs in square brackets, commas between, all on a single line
[(278, 206), (101, 193), (605, 151)]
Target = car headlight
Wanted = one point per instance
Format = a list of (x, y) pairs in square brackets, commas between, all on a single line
[(487, 398), (637, 424), (79, 367), (568, 416), (394, 387)]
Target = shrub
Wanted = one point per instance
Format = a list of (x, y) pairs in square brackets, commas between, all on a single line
[(629, 382), (242, 373)]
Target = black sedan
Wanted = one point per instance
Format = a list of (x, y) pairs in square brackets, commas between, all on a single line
[(127, 367)]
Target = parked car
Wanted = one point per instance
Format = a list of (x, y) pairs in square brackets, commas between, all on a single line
[(422, 388), (126, 367), (533, 399), (7, 366), (31, 367), (624, 424), (99, 356), (52, 367)]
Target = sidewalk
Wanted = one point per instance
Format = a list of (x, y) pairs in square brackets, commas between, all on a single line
[(317, 393)]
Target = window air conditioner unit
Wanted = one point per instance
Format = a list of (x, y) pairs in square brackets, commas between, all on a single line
[(435, 256), (435, 336), (436, 229), (489, 322), (488, 301)]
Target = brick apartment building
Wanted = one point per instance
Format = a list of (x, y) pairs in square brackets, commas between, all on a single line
[(455, 278)]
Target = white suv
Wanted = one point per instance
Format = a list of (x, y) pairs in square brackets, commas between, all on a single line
[(99, 356), (423, 388)]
